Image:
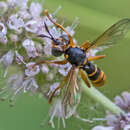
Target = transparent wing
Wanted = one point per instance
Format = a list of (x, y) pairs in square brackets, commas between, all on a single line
[(113, 34), (72, 94)]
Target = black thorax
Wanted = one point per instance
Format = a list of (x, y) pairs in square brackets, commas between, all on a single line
[(76, 56)]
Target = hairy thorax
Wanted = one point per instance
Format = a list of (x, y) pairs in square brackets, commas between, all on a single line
[(76, 56)]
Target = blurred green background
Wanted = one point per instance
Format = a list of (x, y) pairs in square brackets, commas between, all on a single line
[(95, 16)]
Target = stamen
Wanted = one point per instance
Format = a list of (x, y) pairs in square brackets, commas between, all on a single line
[(51, 119), (75, 23), (83, 119), (58, 123), (6, 71), (62, 23), (19, 58), (12, 100), (57, 10), (17, 91), (63, 121)]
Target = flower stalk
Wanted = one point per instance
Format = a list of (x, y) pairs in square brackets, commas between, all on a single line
[(100, 98)]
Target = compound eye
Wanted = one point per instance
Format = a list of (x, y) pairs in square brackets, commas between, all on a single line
[(65, 38), (56, 51), (57, 42)]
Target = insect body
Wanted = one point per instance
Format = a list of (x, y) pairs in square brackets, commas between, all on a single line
[(77, 56)]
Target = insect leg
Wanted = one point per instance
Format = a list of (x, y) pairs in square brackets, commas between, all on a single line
[(84, 78), (91, 58), (60, 62), (60, 26), (51, 62), (61, 85)]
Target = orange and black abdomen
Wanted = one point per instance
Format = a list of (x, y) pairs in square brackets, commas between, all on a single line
[(95, 74)]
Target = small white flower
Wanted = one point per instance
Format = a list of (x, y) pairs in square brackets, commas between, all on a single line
[(63, 70), (3, 7), (52, 88), (45, 69), (57, 111), (27, 43), (47, 47), (68, 28), (71, 28), (35, 9), (31, 26), (3, 30), (20, 3), (39, 49), (102, 128), (31, 71), (55, 33), (13, 87), (16, 84), (43, 31), (30, 48), (19, 58), (47, 21), (11, 2), (7, 59), (75, 41), (15, 22), (13, 37), (15, 81), (127, 127), (30, 84), (24, 14), (12, 77), (41, 26), (4, 40)]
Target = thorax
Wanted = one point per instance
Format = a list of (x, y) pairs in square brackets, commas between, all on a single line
[(76, 56)]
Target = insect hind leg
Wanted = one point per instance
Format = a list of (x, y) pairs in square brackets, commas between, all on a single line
[(91, 58), (60, 86)]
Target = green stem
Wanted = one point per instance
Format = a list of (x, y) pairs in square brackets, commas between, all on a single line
[(100, 98)]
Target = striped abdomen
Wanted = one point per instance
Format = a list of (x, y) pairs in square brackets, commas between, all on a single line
[(95, 74)]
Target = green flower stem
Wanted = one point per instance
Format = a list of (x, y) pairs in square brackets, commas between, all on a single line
[(100, 98)]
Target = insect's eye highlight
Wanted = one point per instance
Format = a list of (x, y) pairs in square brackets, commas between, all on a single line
[(57, 42), (65, 38)]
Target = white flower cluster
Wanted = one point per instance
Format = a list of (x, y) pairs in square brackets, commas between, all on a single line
[(20, 25), (122, 121)]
